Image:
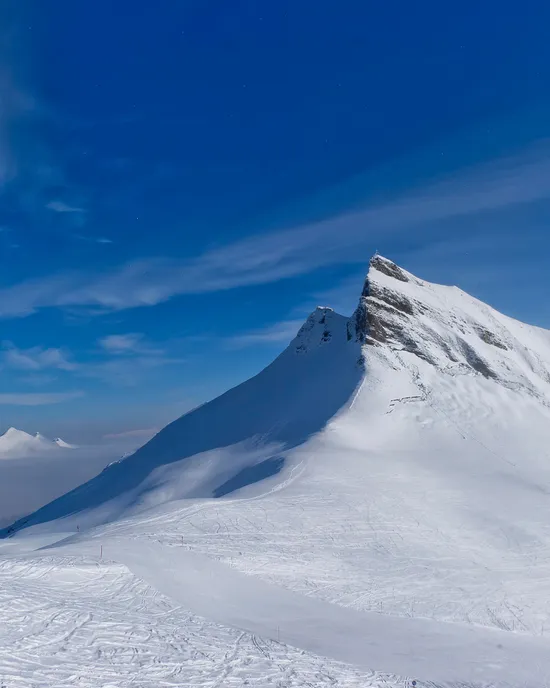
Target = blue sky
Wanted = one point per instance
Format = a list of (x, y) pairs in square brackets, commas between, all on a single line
[(181, 182)]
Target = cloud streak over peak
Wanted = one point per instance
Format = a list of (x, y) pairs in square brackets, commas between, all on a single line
[(37, 399), (62, 207), (260, 259)]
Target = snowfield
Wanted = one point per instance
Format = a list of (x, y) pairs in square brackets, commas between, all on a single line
[(371, 509)]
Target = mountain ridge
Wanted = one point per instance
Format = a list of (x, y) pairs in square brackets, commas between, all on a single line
[(16, 443), (402, 324)]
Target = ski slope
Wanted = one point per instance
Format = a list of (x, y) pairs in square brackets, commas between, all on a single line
[(372, 508)]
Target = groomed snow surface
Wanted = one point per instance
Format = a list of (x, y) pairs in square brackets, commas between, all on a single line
[(372, 509)]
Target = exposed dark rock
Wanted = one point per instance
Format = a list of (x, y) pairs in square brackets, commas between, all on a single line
[(490, 338), (388, 268), (387, 316), (376, 326), (398, 301), (386, 308), (474, 360), (446, 348), (360, 321)]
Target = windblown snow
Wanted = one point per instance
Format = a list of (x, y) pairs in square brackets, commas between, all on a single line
[(371, 508)]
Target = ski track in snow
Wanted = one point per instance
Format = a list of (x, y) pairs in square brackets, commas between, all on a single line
[(77, 622)]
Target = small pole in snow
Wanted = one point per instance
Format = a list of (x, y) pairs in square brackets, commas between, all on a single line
[(278, 634), (182, 540), (101, 552)]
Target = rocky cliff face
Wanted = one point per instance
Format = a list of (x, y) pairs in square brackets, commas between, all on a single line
[(449, 329), (402, 315)]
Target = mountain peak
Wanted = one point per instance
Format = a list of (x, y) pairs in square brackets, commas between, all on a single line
[(445, 327), (14, 432), (387, 267), (61, 443), (319, 328)]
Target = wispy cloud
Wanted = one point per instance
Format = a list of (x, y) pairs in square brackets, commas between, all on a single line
[(127, 371), (282, 254), (36, 358), (62, 207), (93, 239), (17, 102), (141, 432), (343, 297), (30, 399), (30, 166), (131, 343), (279, 333), (37, 379)]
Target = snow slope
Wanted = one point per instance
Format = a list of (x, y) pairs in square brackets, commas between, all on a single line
[(383, 486), (240, 437)]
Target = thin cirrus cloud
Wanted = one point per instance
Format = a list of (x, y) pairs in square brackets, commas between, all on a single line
[(140, 432), (62, 207), (37, 399), (127, 371), (281, 332), (264, 258), (130, 343), (30, 166), (121, 343), (36, 358), (93, 239)]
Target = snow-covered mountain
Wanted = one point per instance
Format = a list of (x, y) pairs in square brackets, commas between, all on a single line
[(375, 496), (16, 444), (405, 334), (64, 445)]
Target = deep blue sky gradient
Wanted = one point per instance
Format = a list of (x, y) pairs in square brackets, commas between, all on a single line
[(175, 127)]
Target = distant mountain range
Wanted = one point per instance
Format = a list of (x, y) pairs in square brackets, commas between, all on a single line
[(16, 444)]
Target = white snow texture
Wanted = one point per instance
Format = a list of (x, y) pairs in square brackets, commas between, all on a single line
[(372, 509)]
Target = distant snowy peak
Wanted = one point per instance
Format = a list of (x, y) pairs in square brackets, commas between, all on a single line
[(16, 443), (449, 329), (65, 445)]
